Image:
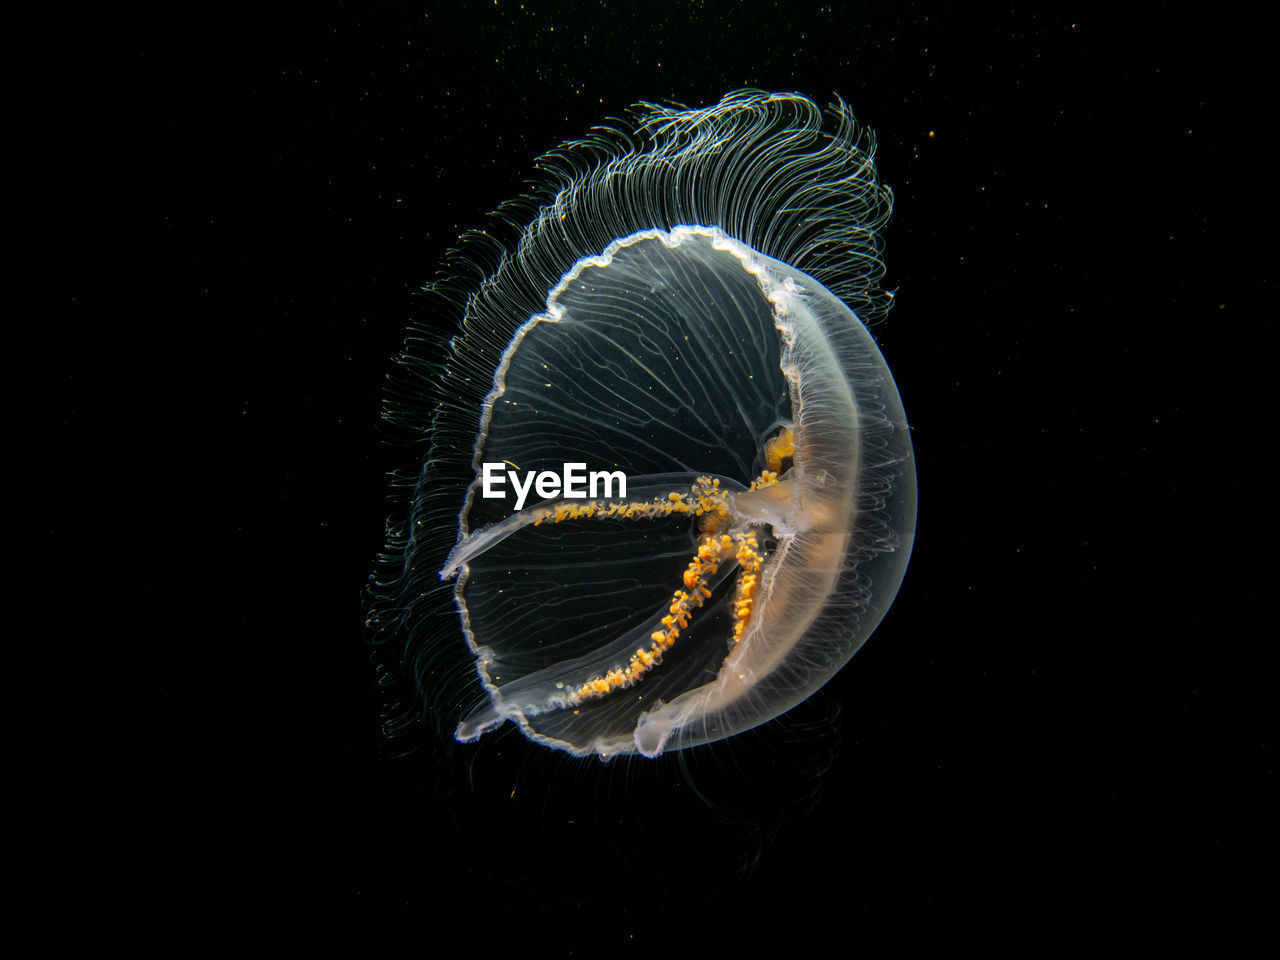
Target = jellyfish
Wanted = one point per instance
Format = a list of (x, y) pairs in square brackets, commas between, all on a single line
[(671, 330)]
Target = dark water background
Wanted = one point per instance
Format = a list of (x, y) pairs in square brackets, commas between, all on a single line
[(1058, 732)]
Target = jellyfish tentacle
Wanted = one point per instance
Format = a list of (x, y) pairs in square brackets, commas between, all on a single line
[(651, 500), (566, 685), (750, 559), (714, 548), (713, 551), (717, 555)]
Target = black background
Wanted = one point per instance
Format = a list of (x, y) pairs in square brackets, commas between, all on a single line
[(1056, 734)]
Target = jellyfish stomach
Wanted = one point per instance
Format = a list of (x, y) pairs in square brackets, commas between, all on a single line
[(795, 504)]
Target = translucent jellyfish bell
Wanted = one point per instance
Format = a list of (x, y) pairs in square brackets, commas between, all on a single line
[(702, 276)]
